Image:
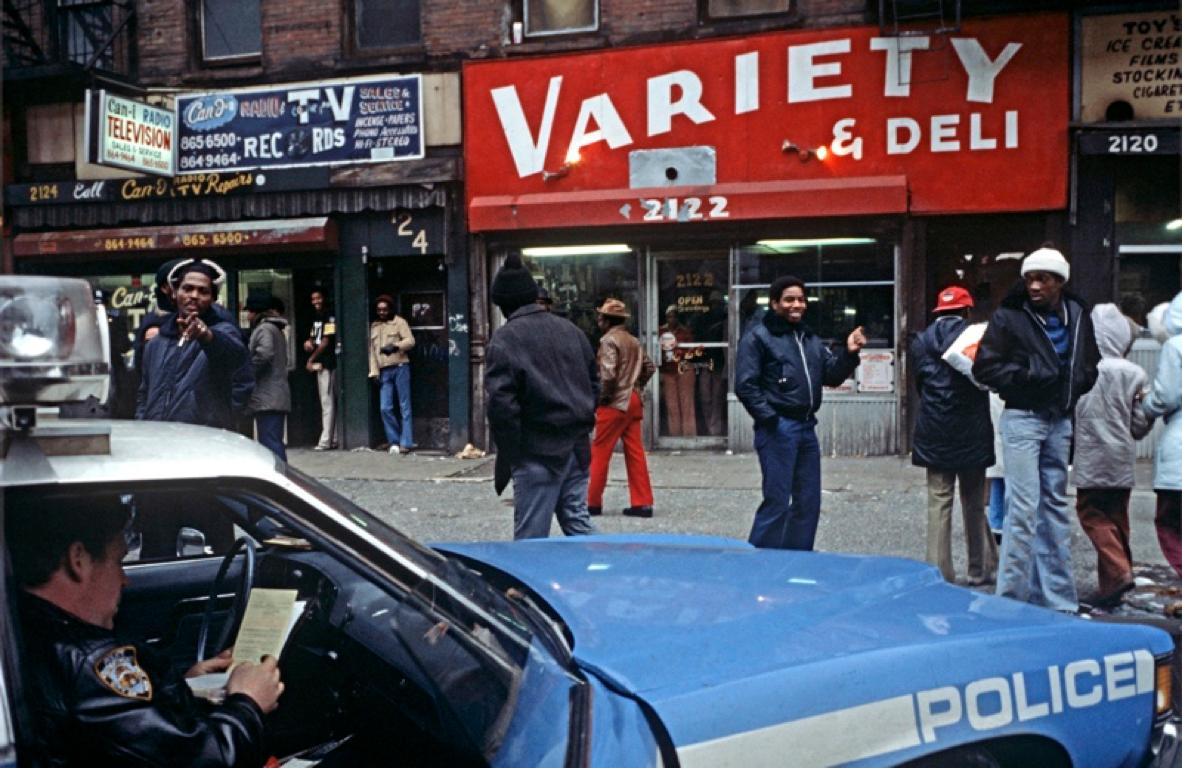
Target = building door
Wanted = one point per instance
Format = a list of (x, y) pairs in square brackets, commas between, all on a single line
[(418, 285), (692, 351)]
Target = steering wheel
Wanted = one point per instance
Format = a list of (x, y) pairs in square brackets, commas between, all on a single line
[(241, 598)]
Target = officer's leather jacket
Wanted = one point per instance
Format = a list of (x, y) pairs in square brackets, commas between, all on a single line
[(97, 701), (623, 367)]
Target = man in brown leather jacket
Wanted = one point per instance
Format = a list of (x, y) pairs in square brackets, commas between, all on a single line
[(624, 369), (97, 699)]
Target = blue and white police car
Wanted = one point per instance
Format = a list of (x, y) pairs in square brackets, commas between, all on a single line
[(598, 651)]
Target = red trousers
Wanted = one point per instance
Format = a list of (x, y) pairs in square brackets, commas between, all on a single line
[(1169, 526), (610, 426), (1104, 516)]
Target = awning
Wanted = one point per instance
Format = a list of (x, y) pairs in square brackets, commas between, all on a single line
[(871, 195), (306, 234)]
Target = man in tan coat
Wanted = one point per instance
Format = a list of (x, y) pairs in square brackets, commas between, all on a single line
[(390, 340), (624, 369)]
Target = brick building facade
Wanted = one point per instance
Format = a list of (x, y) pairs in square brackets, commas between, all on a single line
[(403, 226)]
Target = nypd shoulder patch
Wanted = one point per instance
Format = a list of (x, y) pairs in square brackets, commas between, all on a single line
[(119, 670)]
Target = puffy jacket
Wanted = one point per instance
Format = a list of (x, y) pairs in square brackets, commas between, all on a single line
[(96, 701), (1017, 360), (781, 367), (194, 383), (394, 331), (542, 383), (268, 360), (952, 429), (1108, 421), (623, 367), (1165, 400)]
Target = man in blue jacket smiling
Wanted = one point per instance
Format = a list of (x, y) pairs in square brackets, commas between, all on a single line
[(781, 367)]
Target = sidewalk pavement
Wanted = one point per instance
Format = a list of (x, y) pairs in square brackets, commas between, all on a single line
[(697, 470), (667, 469)]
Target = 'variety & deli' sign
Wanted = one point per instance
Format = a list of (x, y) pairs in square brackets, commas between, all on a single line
[(779, 125)]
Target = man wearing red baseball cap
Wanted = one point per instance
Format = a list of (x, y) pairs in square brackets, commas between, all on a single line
[(953, 440)]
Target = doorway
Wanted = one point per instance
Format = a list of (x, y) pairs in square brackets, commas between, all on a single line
[(690, 290), (418, 286)]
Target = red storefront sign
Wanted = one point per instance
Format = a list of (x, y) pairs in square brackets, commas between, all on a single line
[(789, 124)]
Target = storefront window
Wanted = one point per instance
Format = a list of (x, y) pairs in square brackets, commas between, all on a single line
[(850, 282), (579, 278)]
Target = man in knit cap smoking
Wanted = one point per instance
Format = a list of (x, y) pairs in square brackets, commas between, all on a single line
[(1039, 354), (542, 384)]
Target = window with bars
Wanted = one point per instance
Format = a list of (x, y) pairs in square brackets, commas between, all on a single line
[(230, 29), (381, 24)]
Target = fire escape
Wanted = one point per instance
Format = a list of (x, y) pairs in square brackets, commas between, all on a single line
[(69, 38)]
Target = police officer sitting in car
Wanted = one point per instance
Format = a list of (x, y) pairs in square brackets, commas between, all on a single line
[(96, 699)]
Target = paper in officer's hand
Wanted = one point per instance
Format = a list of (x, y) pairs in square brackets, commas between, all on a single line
[(270, 616)]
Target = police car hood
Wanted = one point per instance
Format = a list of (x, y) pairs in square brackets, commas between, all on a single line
[(720, 637)]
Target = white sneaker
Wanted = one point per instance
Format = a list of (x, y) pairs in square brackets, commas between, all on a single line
[(394, 451)]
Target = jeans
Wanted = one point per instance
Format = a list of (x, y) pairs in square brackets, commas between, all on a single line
[(269, 425), (611, 426), (395, 381), (1036, 544), (790, 460), (997, 503), (982, 555), (543, 489)]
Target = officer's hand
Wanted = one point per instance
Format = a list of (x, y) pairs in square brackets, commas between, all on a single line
[(309, 346), (219, 663), (258, 681), (856, 340)]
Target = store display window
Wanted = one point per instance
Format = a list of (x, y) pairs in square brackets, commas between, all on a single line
[(850, 282), (579, 278)]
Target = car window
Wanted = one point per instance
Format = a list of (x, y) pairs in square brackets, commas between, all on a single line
[(175, 523)]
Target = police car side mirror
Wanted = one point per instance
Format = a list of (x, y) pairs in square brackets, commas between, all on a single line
[(190, 542)]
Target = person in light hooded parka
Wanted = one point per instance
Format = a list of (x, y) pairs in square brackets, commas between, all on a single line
[(1108, 422), (1165, 400)]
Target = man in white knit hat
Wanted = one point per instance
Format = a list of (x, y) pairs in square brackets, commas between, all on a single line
[(1039, 354)]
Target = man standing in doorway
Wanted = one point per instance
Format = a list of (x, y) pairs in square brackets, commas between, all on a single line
[(541, 383), (1039, 353), (390, 340), (780, 368), (322, 361), (624, 369)]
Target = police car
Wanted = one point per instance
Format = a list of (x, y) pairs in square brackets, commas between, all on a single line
[(597, 651)]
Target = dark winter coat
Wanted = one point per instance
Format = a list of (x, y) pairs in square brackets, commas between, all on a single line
[(953, 430), (268, 359), (1017, 360), (194, 383), (542, 384), (781, 367)]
